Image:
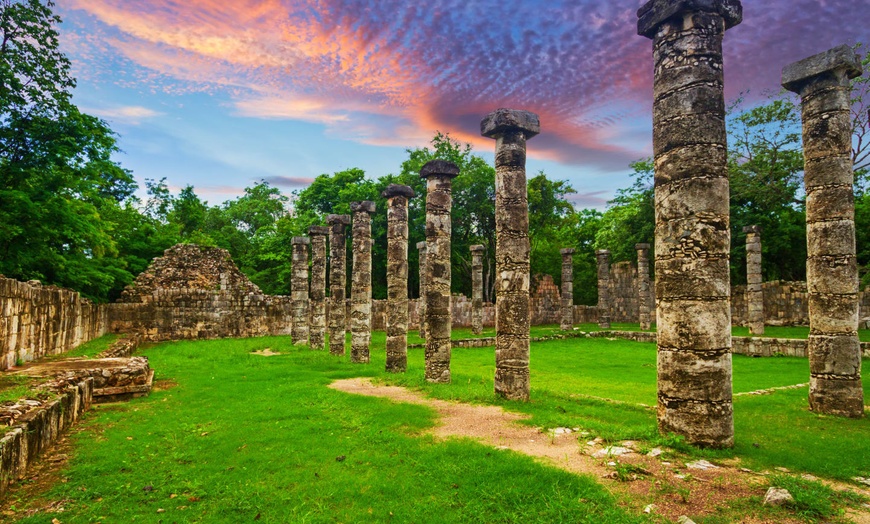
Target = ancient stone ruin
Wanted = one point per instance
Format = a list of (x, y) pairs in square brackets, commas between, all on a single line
[(361, 282), (337, 282), (643, 285), (477, 289), (317, 332), (692, 217), (822, 81), (511, 129), (604, 305), (439, 175), (299, 289), (754, 297), (397, 276), (567, 320), (421, 248)]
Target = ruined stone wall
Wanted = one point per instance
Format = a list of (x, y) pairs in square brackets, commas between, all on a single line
[(44, 320), (785, 304)]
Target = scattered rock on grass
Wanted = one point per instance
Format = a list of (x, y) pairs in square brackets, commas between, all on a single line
[(777, 497), (649, 508), (685, 520), (611, 451), (701, 464)]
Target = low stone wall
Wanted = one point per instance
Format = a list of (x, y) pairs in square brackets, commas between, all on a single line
[(44, 320), (36, 425), (123, 347)]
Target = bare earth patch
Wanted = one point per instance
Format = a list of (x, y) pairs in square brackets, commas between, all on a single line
[(265, 352), (669, 484)]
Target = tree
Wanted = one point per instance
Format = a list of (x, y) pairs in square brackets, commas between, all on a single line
[(630, 216)]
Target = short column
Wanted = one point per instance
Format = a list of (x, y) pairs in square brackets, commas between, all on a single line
[(317, 337), (337, 282), (754, 295), (603, 256), (397, 276), (299, 290), (567, 322), (361, 282), (421, 310), (477, 289), (643, 285)]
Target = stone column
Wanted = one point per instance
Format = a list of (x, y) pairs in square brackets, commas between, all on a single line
[(299, 290), (477, 289), (692, 217), (439, 176), (603, 256), (511, 129), (361, 282), (567, 289), (337, 282), (318, 286), (397, 276), (822, 81), (421, 311), (754, 296), (643, 285)]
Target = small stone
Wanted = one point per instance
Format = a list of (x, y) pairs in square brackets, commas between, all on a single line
[(340, 458), (649, 508), (161, 510), (862, 480), (702, 465), (611, 464), (777, 497), (807, 476), (782, 470), (685, 520), (654, 452), (681, 476), (611, 451)]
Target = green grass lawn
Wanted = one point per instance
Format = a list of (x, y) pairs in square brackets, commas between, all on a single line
[(242, 435)]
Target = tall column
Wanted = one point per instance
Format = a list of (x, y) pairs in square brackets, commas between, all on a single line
[(299, 290), (361, 282), (603, 256), (643, 285), (318, 286), (421, 310), (397, 276), (337, 282), (567, 289), (754, 295), (439, 175), (692, 217), (511, 129), (822, 81), (477, 289)]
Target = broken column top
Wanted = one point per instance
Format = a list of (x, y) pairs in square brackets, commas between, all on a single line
[(752, 229), (602, 252), (394, 190), (366, 206), (567, 251), (477, 248), (842, 57), (338, 219), (318, 230), (503, 120), (641, 246), (656, 12), (300, 240), (439, 168), (421, 246)]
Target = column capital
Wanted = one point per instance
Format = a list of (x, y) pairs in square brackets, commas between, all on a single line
[(477, 248), (364, 206), (300, 241), (602, 252), (503, 121), (394, 190), (567, 251), (752, 229), (841, 59), (439, 168), (338, 219), (638, 247), (656, 12), (314, 231)]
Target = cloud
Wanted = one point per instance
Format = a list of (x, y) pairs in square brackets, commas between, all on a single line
[(594, 199), (289, 181), (132, 115)]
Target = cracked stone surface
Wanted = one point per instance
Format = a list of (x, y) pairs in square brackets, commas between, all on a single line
[(361, 283), (299, 290), (477, 289), (567, 310), (643, 285), (754, 295), (421, 248), (317, 333), (337, 282), (397, 276), (603, 257)]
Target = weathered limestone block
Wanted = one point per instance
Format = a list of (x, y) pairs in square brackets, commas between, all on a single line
[(511, 129), (397, 276), (421, 247), (439, 175), (317, 336), (337, 282), (692, 217), (361, 284), (299, 289), (643, 285), (822, 81), (603, 256), (567, 316), (477, 289), (754, 294)]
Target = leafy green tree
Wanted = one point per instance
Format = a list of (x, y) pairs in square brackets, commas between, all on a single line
[(630, 216)]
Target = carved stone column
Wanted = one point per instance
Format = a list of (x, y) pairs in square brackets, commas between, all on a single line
[(822, 81), (299, 290), (361, 282), (692, 217), (643, 285), (511, 129), (603, 256), (421, 310), (477, 289), (397, 276), (754, 295), (317, 336), (567, 289), (337, 282), (439, 175)]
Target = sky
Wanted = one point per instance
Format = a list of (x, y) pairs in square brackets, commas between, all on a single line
[(222, 94)]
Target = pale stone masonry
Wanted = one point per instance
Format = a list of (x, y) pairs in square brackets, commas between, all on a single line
[(299, 289), (317, 335), (439, 175), (603, 256), (754, 296), (421, 248), (692, 217), (337, 282), (397, 276), (822, 81), (477, 289), (361, 281), (643, 285), (511, 129), (567, 316)]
